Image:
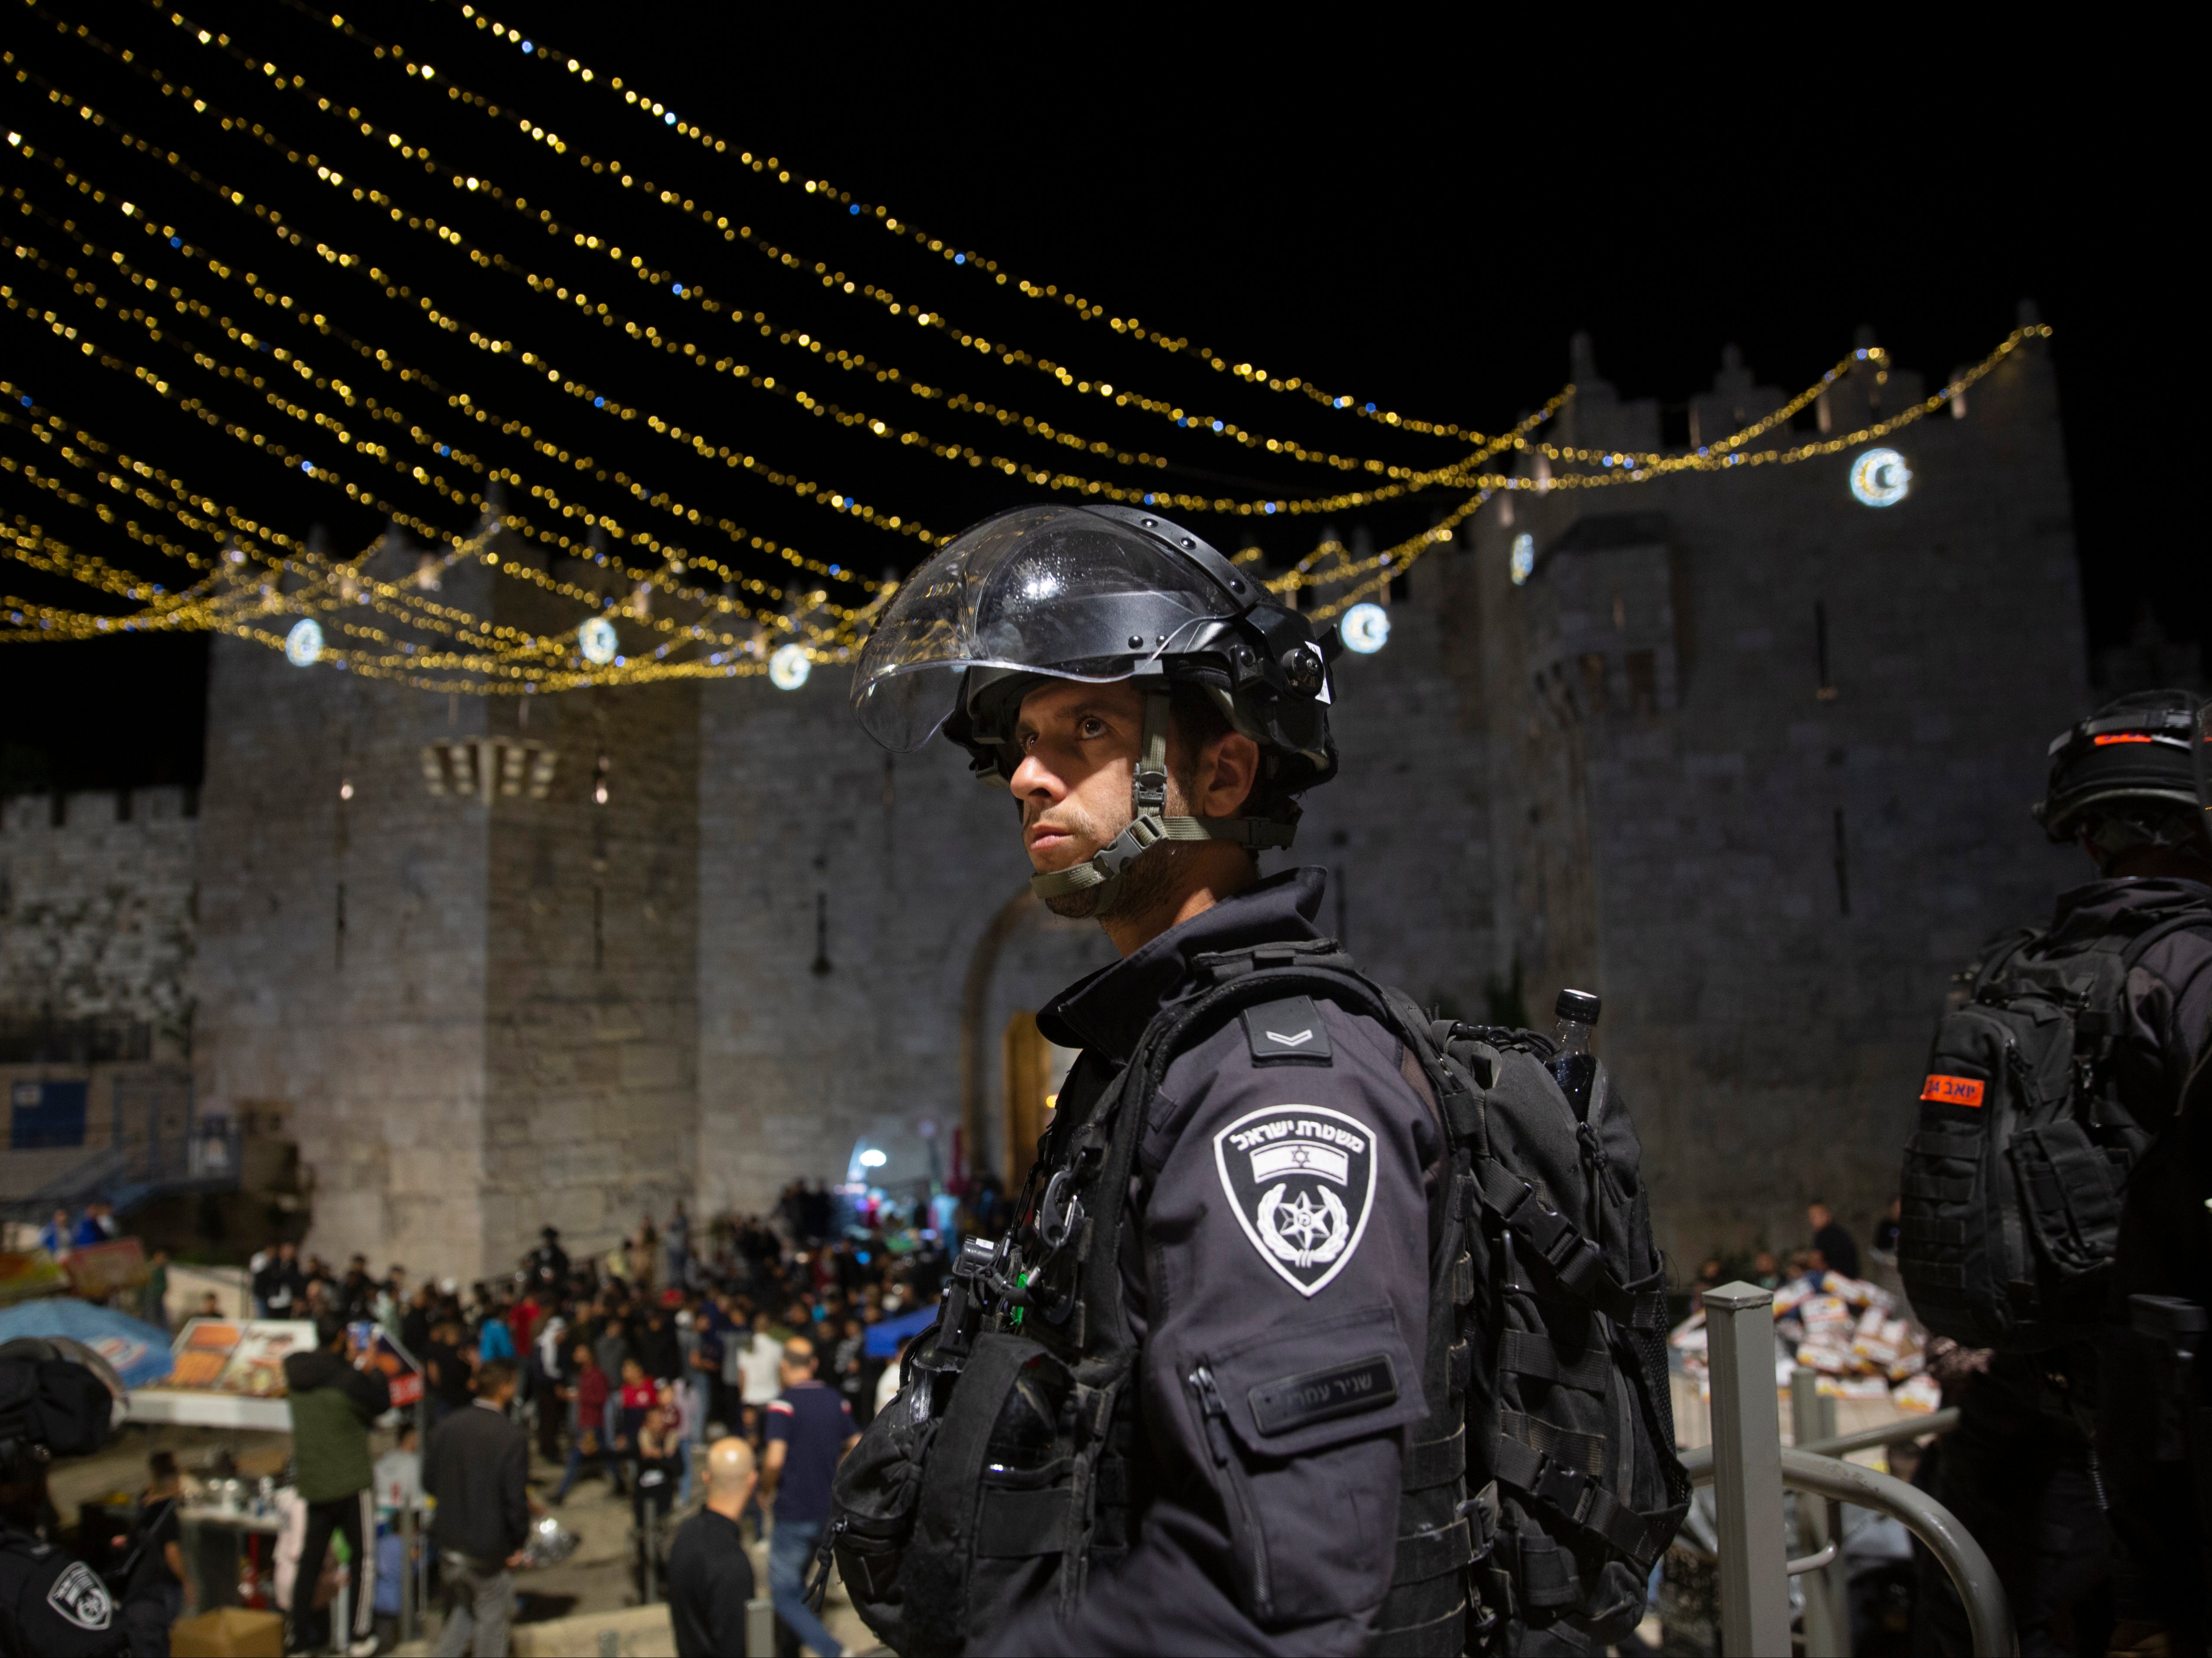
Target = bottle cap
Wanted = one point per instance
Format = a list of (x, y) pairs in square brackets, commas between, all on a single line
[(1577, 1005)]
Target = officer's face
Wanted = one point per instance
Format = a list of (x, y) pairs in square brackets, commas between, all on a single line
[(1078, 747)]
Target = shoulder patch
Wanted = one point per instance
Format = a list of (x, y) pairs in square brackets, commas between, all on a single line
[(79, 1596), (1301, 1178), (1290, 1029)]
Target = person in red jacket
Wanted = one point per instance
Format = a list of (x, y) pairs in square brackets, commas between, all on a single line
[(591, 1393)]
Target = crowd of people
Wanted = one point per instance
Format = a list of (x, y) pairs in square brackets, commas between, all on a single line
[(629, 1365)]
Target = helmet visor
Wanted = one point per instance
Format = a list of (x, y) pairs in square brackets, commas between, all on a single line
[(1050, 590)]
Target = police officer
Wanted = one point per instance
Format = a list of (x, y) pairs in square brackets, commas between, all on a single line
[(55, 1401), (2155, 1438), (1155, 718), (2023, 1470)]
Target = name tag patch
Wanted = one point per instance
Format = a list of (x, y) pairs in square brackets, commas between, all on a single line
[(1953, 1090), (1299, 1401)]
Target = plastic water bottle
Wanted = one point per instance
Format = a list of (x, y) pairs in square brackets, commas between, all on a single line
[(1573, 1065)]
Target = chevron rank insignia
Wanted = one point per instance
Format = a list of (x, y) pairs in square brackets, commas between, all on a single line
[(1302, 1179), (1288, 1029)]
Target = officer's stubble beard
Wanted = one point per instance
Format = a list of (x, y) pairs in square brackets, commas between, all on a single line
[(1156, 881)]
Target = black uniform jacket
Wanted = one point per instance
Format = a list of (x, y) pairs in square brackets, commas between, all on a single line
[(2163, 1076), (1275, 1268), (54, 1606)]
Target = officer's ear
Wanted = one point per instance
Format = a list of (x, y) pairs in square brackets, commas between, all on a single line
[(1227, 768)]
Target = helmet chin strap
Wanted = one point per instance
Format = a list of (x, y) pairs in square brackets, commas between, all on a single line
[(1151, 824)]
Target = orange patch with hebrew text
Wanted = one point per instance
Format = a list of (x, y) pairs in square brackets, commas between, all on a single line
[(1953, 1090)]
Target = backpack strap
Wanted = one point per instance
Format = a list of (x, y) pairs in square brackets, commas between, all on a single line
[(2198, 918), (1577, 1497), (1576, 1261), (1980, 972)]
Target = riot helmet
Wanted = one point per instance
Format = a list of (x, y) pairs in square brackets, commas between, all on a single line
[(2134, 774), (1100, 594), (58, 1398)]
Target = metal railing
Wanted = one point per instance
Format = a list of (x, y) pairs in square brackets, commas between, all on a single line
[(1748, 1468), (210, 1158)]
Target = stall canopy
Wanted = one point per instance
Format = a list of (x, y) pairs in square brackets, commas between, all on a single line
[(884, 1338), (138, 1351)]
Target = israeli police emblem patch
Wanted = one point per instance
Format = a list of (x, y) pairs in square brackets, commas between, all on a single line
[(80, 1596), (1302, 1179)]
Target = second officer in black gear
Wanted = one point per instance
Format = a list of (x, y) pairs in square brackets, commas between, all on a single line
[(2155, 1438), (2032, 1465), (1155, 721), (56, 1399)]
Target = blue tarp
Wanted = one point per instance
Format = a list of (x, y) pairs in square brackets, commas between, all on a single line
[(139, 1351), (884, 1338)]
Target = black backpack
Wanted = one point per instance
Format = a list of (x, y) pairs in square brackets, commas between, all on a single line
[(1536, 1496), (2012, 1185)]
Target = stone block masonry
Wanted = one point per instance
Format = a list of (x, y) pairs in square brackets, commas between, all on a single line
[(96, 911), (480, 1015)]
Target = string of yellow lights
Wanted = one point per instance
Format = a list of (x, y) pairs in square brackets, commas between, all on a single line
[(1706, 462), (836, 500), (411, 608), (34, 621), (56, 559), (1614, 467), (1652, 460), (202, 359), (1386, 566), (488, 190), (356, 586), (1714, 459), (806, 490), (769, 168), (452, 240), (297, 559), (423, 438)]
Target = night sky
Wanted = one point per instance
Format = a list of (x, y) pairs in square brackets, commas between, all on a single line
[(1380, 219)]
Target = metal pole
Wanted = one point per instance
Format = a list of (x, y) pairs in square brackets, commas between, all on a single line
[(1827, 1624), (760, 1626), (407, 1567), (419, 1567), (1747, 1470)]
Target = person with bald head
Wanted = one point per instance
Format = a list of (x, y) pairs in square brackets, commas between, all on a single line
[(710, 1580)]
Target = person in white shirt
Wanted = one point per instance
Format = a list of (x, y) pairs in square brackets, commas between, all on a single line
[(399, 1473), (887, 1384), (761, 1360)]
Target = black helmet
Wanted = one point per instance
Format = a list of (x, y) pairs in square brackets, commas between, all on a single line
[(1101, 593), (2142, 747), (58, 1398)]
